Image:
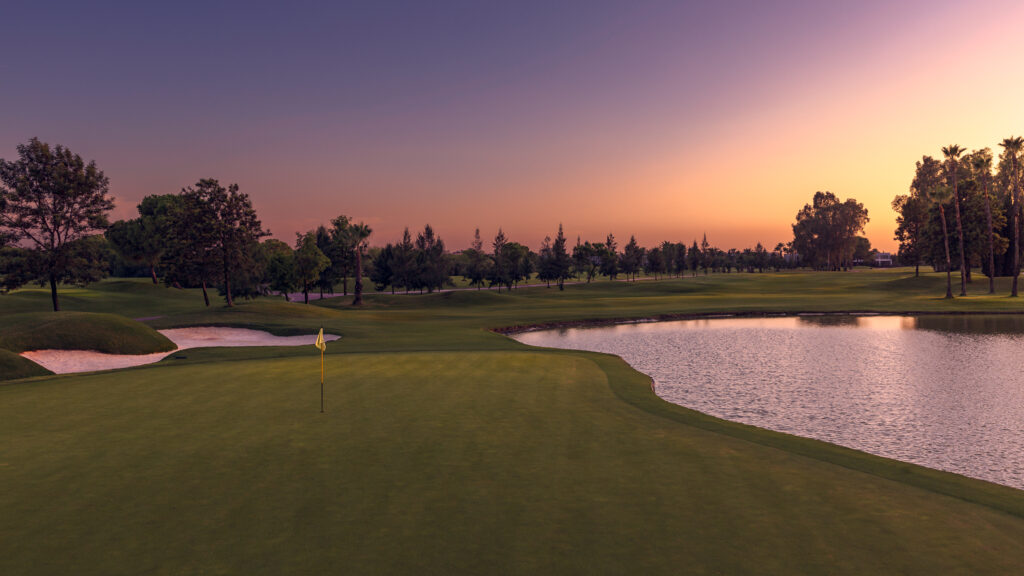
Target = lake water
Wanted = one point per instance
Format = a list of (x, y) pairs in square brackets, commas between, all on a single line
[(945, 392)]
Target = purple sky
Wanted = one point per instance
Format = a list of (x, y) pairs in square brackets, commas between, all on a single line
[(660, 119)]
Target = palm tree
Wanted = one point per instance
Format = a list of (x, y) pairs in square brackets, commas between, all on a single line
[(981, 161), (940, 195), (926, 184), (358, 233), (952, 154), (1012, 146)]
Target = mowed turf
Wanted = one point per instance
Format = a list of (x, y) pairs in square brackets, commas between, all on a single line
[(448, 449), (488, 462)]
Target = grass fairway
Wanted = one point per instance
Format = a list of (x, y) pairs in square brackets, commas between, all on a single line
[(449, 449)]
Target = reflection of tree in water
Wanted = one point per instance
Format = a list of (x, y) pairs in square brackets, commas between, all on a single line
[(973, 324), (828, 320)]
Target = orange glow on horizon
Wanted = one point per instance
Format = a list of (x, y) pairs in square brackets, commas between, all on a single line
[(851, 120)]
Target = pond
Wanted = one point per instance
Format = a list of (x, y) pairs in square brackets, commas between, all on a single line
[(942, 391)]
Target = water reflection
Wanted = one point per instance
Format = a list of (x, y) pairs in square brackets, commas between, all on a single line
[(942, 391), (970, 324)]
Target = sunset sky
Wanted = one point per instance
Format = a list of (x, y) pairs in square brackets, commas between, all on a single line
[(660, 119)]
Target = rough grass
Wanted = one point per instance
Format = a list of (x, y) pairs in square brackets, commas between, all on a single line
[(450, 449)]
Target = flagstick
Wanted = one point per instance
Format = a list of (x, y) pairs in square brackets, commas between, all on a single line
[(321, 380)]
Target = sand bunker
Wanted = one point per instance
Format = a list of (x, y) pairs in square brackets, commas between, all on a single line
[(68, 361)]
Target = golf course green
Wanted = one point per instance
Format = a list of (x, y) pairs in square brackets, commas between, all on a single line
[(449, 448)]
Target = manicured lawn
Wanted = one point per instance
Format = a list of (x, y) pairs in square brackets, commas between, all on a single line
[(450, 449)]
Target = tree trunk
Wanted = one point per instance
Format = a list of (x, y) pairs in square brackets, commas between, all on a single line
[(305, 293), (949, 265), (206, 297), (53, 292), (917, 253), (344, 285), (991, 244), (152, 273), (227, 290), (358, 300), (960, 236), (1014, 207)]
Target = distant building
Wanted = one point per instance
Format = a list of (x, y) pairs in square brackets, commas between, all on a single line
[(883, 260)]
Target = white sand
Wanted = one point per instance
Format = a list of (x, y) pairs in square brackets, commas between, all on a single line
[(68, 361)]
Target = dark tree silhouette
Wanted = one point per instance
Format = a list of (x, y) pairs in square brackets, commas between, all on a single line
[(53, 200)]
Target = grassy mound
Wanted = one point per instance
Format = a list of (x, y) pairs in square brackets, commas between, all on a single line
[(13, 366), (80, 331)]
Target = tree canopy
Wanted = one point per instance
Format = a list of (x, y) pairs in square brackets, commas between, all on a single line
[(52, 201), (825, 231)]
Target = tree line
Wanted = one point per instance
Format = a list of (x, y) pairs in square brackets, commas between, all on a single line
[(55, 228), (504, 264), (962, 212)]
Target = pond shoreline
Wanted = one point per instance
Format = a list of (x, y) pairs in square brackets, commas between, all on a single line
[(594, 322), (902, 415)]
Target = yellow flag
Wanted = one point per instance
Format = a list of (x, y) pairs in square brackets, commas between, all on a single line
[(320, 341)]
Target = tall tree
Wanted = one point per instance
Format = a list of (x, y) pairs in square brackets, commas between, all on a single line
[(341, 251), (53, 200), (358, 234), (280, 272), (1012, 148), (144, 240), (383, 273), (584, 260), (309, 261), (610, 258), (432, 261), (545, 262), (632, 257), (761, 257), (561, 263), (825, 231), (694, 257), (953, 167), (680, 259), (911, 219), (191, 257), (404, 262), (778, 259), (928, 184), (655, 262), (706, 257), (235, 226), (329, 275), (516, 259), (981, 165), (476, 271), (501, 270)]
